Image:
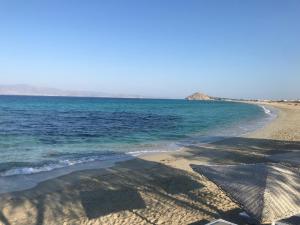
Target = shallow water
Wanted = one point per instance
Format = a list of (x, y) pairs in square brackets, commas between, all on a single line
[(40, 134)]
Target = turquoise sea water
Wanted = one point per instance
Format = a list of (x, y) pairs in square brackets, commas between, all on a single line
[(39, 134)]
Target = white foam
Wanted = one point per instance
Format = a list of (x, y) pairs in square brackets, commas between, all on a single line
[(142, 152), (64, 163), (60, 164), (267, 111)]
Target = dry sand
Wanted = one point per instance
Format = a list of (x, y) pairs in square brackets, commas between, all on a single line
[(286, 127), (153, 189)]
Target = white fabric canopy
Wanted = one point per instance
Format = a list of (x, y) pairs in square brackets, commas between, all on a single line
[(268, 192)]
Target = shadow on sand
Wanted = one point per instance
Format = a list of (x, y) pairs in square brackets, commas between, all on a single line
[(240, 150), (149, 192), (103, 202)]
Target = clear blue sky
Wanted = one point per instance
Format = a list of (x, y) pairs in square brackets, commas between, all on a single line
[(155, 48)]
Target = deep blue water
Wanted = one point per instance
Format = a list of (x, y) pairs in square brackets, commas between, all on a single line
[(43, 133)]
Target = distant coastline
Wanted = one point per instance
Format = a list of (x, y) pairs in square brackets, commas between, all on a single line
[(34, 91), (199, 96), (29, 90)]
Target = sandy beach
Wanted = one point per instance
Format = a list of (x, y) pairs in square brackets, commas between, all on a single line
[(153, 189)]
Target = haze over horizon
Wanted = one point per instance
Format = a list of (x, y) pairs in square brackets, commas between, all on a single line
[(160, 49)]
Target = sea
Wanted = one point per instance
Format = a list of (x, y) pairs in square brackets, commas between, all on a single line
[(44, 137)]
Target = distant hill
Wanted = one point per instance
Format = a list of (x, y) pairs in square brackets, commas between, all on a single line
[(200, 96), (23, 89)]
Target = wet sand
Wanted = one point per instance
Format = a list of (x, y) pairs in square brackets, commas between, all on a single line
[(153, 189)]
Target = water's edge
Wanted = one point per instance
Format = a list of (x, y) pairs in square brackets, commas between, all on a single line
[(16, 180)]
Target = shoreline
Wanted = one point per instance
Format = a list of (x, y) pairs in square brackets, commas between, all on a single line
[(160, 188), (264, 130), (11, 179), (283, 127)]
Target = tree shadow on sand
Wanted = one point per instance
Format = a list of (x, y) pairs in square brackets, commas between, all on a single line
[(3, 219), (149, 191), (93, 194), (240, 150), (103, 202)]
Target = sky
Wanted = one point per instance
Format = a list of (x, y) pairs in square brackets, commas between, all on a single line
[(154, 48)]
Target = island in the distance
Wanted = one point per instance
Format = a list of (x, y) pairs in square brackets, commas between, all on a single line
[(199, 96)]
